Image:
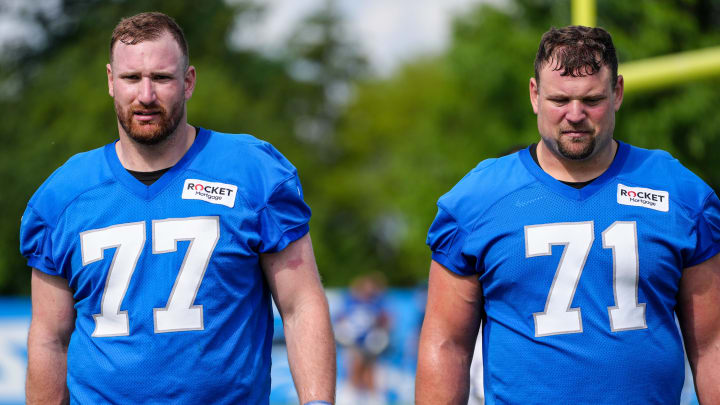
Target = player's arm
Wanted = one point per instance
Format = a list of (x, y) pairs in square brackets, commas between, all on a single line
[(295, 285), (699, 313), (447, 339), (53, 320)]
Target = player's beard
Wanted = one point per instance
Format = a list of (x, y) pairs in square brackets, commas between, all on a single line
[(155, 132), (576, 148)]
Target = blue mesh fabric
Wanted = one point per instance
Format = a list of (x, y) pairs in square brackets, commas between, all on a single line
[(228, 359), (481, 229)]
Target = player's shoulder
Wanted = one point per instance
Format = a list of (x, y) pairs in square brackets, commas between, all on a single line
[(245, 151), (485, 185), (659, 170), (82, 172), (255, 166)]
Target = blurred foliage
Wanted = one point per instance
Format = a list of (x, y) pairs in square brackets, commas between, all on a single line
[(374, 154)]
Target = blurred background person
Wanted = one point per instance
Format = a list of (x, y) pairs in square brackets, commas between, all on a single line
[(363, 327)]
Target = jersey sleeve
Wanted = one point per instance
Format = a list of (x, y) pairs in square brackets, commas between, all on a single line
[(285, 217), (708, 232), (446, 239), (35, 242)]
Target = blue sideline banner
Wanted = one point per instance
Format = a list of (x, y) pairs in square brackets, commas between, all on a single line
[(14, 323)]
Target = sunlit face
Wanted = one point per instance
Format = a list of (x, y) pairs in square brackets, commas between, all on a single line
[(576, 115), (150, 85)]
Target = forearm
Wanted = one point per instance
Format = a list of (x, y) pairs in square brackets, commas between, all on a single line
[(699, 316), (311, 349), (447, 339), (47, 369), (706, 371), (443, 373)]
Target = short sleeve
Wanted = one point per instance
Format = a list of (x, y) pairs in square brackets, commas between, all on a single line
[(446, 238), (708, 231), (284, 218), (35, 242)]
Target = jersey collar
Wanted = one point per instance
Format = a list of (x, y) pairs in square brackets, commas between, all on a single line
[(149, 192), (568, 191)]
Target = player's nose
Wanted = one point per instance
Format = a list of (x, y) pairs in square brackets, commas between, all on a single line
[(575, 111), (146, 93)]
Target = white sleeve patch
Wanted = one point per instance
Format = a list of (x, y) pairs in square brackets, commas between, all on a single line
[(214, 193), (657, 200)]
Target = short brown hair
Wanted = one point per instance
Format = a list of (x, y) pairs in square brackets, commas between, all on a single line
[(577, 51), (148, 27)]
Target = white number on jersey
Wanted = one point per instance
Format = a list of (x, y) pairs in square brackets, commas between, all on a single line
[(627, 314), (128, 239), (577, 237)]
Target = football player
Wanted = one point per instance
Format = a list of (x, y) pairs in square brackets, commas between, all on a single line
[(155, 257), (576, 253)]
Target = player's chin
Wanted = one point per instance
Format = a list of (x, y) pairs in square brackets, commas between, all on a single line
[(577, 148), (148, 134)]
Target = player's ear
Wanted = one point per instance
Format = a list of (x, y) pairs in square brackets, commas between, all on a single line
[(618, 92), (108, 69), (190, 78), (534, 94)]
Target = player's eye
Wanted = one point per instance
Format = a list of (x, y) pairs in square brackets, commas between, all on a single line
[(559, 101), (592, 101)]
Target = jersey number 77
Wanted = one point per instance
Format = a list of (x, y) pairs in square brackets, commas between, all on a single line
[(128, 240)]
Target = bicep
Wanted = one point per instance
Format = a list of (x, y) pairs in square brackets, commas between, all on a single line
[(453, 306), (698, 308), (292, 274), (53, 306)]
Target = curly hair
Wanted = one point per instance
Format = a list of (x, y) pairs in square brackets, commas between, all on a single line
[(577, 51)]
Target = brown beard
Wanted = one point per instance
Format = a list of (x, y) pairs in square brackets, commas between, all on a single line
[(587, 147), (151, 133)]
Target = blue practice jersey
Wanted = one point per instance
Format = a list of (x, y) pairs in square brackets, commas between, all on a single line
[(579, 285), (172, 305)]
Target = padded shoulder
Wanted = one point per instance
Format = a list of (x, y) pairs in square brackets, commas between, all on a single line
[(489, 182), (80, 173), (658, 169), (255, 166)]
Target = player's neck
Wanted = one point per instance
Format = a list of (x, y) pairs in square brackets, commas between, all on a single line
[(568, 170), (147, 158)]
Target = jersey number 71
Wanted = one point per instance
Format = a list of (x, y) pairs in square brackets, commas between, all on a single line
[(577, 237)]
